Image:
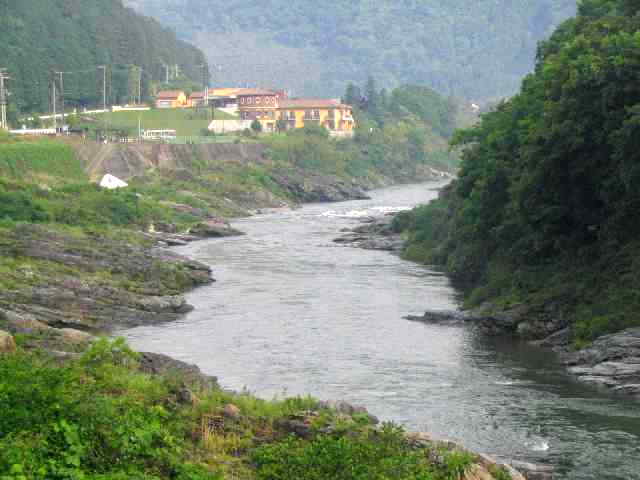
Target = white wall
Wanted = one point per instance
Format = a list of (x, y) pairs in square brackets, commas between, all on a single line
[(227, 126)]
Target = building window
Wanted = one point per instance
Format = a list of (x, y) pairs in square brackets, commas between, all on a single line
[(316, 114)]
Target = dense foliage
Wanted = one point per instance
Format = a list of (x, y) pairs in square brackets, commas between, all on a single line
[(100, 417), (381, 454), (546, 205), (41, 36), (470, 48), (397, 134), (94, 417)]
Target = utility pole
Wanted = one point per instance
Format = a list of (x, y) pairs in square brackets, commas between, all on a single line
[(104, 99), (3, 99), (54, 101), (205, 86), (139, 85), (61, 96), (104, 87), (166, 73)]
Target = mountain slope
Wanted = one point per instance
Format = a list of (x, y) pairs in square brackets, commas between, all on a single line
[(472, 48), (40, 36)]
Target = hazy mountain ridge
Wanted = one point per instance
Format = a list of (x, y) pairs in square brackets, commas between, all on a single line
[(477, 49)]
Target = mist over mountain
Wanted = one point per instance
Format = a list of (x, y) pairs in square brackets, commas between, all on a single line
[(478, 49)]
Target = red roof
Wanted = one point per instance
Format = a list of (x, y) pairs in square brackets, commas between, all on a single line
[(197, 95), (169, 94), (255, 91), (311, 103)]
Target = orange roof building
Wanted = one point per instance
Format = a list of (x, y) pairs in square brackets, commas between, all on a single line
[(171, 99), (329, 113)]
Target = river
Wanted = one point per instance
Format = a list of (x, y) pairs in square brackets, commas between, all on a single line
[(293, 313)]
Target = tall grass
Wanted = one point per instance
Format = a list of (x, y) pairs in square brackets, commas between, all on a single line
[(24, 160)]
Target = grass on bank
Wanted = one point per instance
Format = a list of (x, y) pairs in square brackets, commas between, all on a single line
[(186, 121), (39, 160), (99, 417)]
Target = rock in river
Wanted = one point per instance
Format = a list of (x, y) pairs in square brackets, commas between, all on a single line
[(214, 229)]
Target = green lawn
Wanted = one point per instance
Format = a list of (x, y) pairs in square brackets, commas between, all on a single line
[(186, 122)]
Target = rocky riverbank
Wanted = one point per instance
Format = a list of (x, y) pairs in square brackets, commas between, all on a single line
[(72, 285), (68, 285), (612, 361)]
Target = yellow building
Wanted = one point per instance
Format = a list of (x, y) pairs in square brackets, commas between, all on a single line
[(275, 111), (329, 113), (261, 105), (171, 99)]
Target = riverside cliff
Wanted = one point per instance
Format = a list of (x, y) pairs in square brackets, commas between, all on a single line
[(541, 227)]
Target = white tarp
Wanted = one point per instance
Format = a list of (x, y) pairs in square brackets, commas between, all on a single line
[(111, 182)]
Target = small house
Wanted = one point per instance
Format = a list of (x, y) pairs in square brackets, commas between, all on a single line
[(171, 99), (197, 99)]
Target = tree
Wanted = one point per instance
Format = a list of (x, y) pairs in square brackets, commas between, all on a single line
[(372, 97), (352, 95), (256, 126), (281, 125)]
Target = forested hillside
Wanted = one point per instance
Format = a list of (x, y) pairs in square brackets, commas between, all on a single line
[(476, 49), (41, 36), (545, 211)]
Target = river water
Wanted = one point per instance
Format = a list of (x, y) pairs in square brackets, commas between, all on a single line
[(293, 313)]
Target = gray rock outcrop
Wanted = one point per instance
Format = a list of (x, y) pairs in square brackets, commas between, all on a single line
[(612, 360), (163, 365), (95, 284), (444, 317), (375, 234), (214, 229)]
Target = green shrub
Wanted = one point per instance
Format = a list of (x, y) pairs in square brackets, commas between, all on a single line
[(96, 418), (20, 206), (383, 455)]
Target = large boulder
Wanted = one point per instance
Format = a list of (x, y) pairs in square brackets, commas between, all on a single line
[(231, 411), (72, 336), (188, 374), (214, 229), (21, 323), (7, 343)]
